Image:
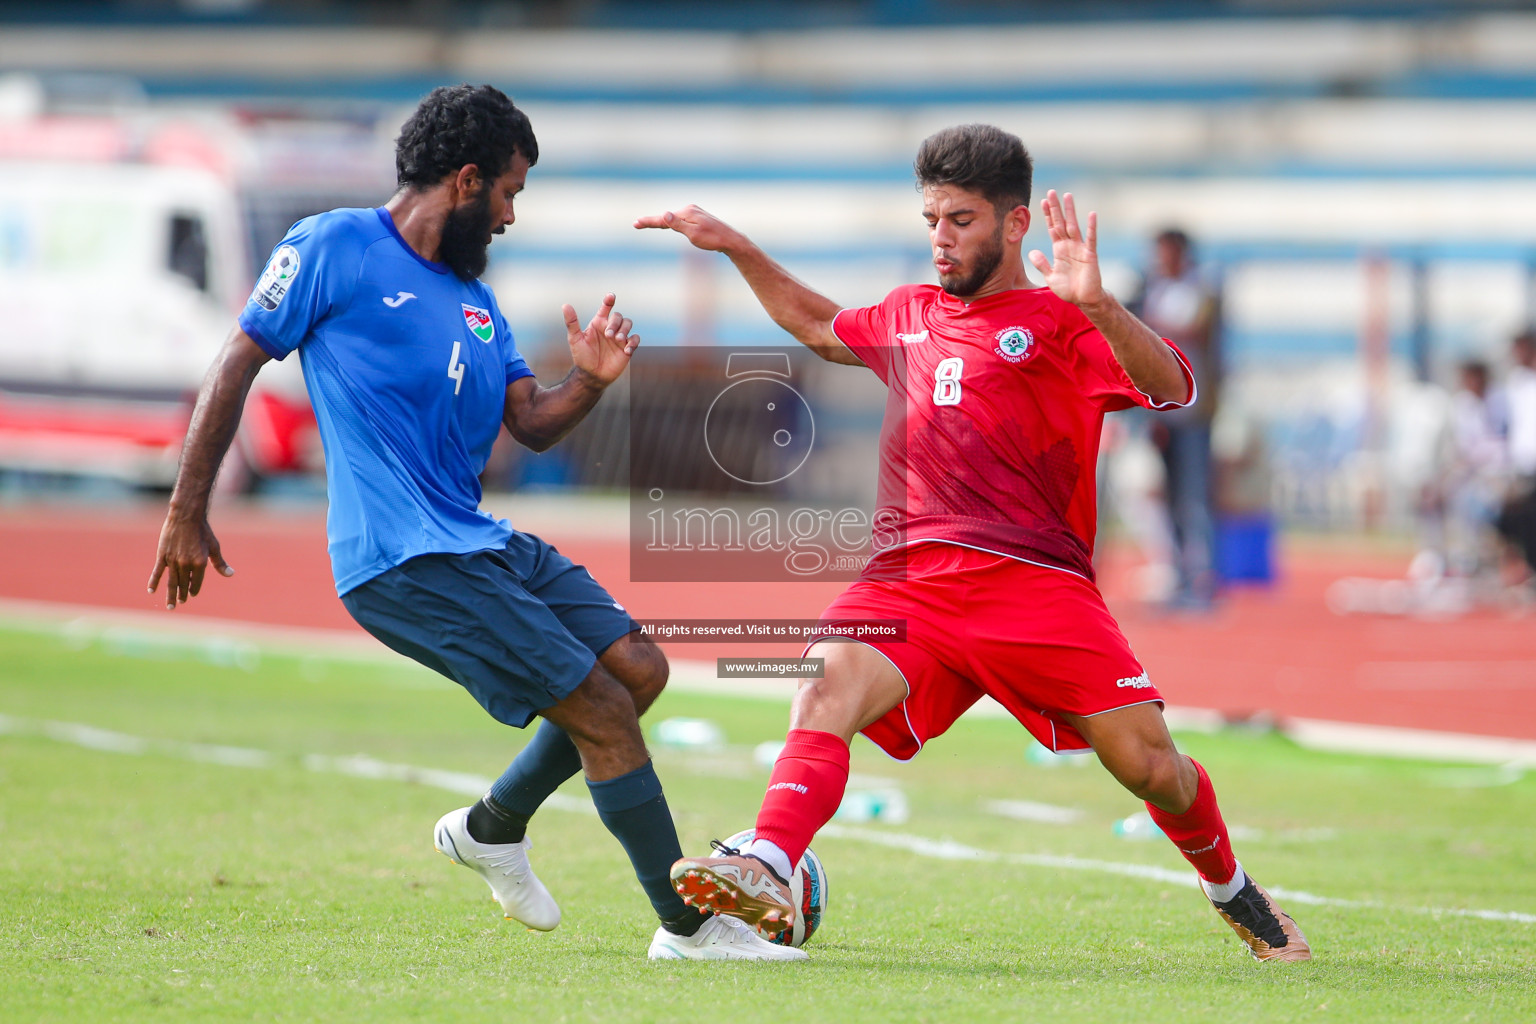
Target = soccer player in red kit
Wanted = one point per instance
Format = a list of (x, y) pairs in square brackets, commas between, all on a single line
[(984, 527)]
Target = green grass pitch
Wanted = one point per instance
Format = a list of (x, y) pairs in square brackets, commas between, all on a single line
[(150, 886)]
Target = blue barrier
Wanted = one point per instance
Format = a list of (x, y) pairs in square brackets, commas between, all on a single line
[(1245, 548)]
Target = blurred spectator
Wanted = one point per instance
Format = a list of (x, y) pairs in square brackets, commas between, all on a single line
[(1517, 519), (1132, 488), (1475, 471), (1520, 397), (1183, 304)]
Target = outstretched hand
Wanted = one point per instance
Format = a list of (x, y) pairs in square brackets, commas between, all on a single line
[(704, 230), (1074, 276), (186, 548), (601, 350)]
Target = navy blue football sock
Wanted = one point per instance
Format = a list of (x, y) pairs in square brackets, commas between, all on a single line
[(538, 770), (635, 811), (489, 822)]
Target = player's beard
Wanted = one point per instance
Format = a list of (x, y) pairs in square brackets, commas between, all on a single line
[(964, 283), (466, 242)]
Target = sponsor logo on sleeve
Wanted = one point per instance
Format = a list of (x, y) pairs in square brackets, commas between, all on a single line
[(282, 268), (1015, 344), (479, 322), (1141, 682)]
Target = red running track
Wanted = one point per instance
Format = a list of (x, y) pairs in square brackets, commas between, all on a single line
[(1277, 650)]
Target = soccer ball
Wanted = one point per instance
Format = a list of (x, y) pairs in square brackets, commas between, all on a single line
[(807, 888)]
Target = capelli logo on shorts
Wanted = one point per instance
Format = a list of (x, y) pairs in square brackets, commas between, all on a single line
[(789, 785), (1140, 682)]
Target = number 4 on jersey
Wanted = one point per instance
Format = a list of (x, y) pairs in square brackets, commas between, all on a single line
[(455, 368), (946, 381)]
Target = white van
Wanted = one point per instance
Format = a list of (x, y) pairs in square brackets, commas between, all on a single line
[(119, 280)]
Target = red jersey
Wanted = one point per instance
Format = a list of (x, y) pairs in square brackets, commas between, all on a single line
[(991, 431)]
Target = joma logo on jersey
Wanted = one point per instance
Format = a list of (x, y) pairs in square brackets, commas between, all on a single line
[(479, 322), (1015, 343)]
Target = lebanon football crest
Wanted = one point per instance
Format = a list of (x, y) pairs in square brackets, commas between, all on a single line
[(1015, 344), (479, 322)]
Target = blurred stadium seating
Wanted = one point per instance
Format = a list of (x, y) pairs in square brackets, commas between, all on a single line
[(1340, 166)]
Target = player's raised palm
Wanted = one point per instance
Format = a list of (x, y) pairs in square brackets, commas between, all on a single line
[(700, 227), (602, 349), (1072, 272)]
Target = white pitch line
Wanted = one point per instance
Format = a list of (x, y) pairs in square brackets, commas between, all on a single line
[(224, 641), (466, 784), (357, 766), (84, 623), (1032, 810), (360, 766), (948, 849)]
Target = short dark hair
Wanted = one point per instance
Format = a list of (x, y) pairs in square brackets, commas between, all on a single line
[(978, 158), (462, 124), (1175, 236)]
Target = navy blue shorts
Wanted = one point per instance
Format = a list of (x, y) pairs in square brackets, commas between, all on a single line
[(519, 628)]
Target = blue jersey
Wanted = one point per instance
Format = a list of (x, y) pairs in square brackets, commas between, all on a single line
[(407, 367)]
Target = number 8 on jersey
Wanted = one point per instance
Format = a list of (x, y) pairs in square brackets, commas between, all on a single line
[(946, 381)]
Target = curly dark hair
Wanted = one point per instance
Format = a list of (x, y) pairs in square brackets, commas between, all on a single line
[(462, 124), (978, 158)]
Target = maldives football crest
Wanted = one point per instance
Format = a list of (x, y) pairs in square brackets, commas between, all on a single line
[(1015, 344), (479, 322)]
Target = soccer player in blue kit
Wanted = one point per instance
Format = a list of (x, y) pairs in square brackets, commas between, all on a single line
[(412, 372)]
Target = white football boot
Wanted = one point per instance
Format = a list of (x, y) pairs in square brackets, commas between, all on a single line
[(721, 938), (505, 868)]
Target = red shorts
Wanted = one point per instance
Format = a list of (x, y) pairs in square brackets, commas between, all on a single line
[(1038, 640)]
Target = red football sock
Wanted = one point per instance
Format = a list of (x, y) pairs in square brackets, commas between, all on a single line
[(804, 791), (1199, 832)]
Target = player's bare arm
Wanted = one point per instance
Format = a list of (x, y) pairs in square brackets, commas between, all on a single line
[(539, 417), (806, 314), (1072, 273), (187, 543)]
